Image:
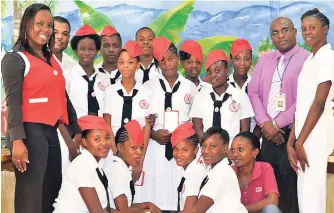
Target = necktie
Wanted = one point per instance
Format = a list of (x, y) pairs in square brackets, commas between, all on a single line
[(146, 72), (133, 191), (205, 180), (168, 107), (179, 190), (216, 121), (93, 105), (127, 106), (112, 80), (275, 89), (104, 181)]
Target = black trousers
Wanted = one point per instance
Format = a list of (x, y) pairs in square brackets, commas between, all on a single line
[(286, 177), (38, 187)]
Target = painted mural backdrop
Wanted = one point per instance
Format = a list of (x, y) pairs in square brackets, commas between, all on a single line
[(214, 24)]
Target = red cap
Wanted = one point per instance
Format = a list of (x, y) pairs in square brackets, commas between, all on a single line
[(214, 56), (193, 48), (135, 132), (160, 47), (132, 47), (85, 30), (93, 122), (182, 132), (238, 46), (108, 31)]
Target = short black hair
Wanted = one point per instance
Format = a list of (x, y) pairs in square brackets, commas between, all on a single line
[(254, 141), (121, 135), (193, 139), (116, 34), (75, 40), (62, 20), (144, 28), (85, 133), (184, 55), (172, 48), (124, 50), (317, 14), (223, 134)]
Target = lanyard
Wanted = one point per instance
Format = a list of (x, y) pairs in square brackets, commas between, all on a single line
[(281, 77)]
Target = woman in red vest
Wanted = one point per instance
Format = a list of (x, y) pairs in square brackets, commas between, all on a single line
[(37, 103)]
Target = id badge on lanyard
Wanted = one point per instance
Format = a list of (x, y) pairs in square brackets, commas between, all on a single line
[(280, 102)]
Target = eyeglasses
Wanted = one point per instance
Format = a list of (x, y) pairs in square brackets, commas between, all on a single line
[(283, 32)]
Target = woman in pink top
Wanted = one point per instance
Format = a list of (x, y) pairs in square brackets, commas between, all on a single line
[(257, 181)]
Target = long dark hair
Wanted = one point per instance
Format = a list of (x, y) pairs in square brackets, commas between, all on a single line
[(21, 43)]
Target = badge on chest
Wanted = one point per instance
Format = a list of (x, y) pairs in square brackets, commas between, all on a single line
[(280, 103)]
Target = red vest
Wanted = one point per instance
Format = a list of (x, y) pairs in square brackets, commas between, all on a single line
[(43, 91)]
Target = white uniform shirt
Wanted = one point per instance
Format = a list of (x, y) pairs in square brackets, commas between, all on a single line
[(243, 88), (154, 73), (316, 69), (67, 64), (181, 99), (202, 84), (194, 175), (110, 75), (141, 107), (77, 89), (80, 173), (223, 188), (230, 116), (119, 177)]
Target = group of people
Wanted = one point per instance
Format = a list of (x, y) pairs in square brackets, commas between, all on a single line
[(134, 135)]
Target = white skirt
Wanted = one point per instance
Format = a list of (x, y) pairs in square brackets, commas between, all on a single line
[(65, 155), (161, 180)]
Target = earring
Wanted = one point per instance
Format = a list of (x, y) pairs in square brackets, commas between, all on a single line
[(227, 78)]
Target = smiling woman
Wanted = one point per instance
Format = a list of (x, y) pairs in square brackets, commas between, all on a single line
[(37, 102)]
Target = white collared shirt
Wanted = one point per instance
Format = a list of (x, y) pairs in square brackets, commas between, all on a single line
[(243, 88), (81, 173), (316, 70), (113, 104), (67, 64), (154, 73), (194, 175), (181, 99), (202, 84), (222, 187), (110, 75), (119, 177), (77, 89), (230, 116)]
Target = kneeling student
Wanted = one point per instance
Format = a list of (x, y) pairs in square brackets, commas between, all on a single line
[(219, 191), (129, 142), (185, 147), (85, 186)]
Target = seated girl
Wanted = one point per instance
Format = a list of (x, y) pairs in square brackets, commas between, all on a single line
[(185, 147), (129, 143), (257, 181), (219, 191), (85, 186)]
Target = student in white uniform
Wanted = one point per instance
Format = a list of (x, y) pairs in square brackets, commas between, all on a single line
[(241, 58), (149, 68), (222, 105), (129, 139), (111, 46), (172, 96), (69, 147), (191, 57), (127, 100), (86, 85), (219, 191), (185, 147), (311, 138), (85, 185)]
